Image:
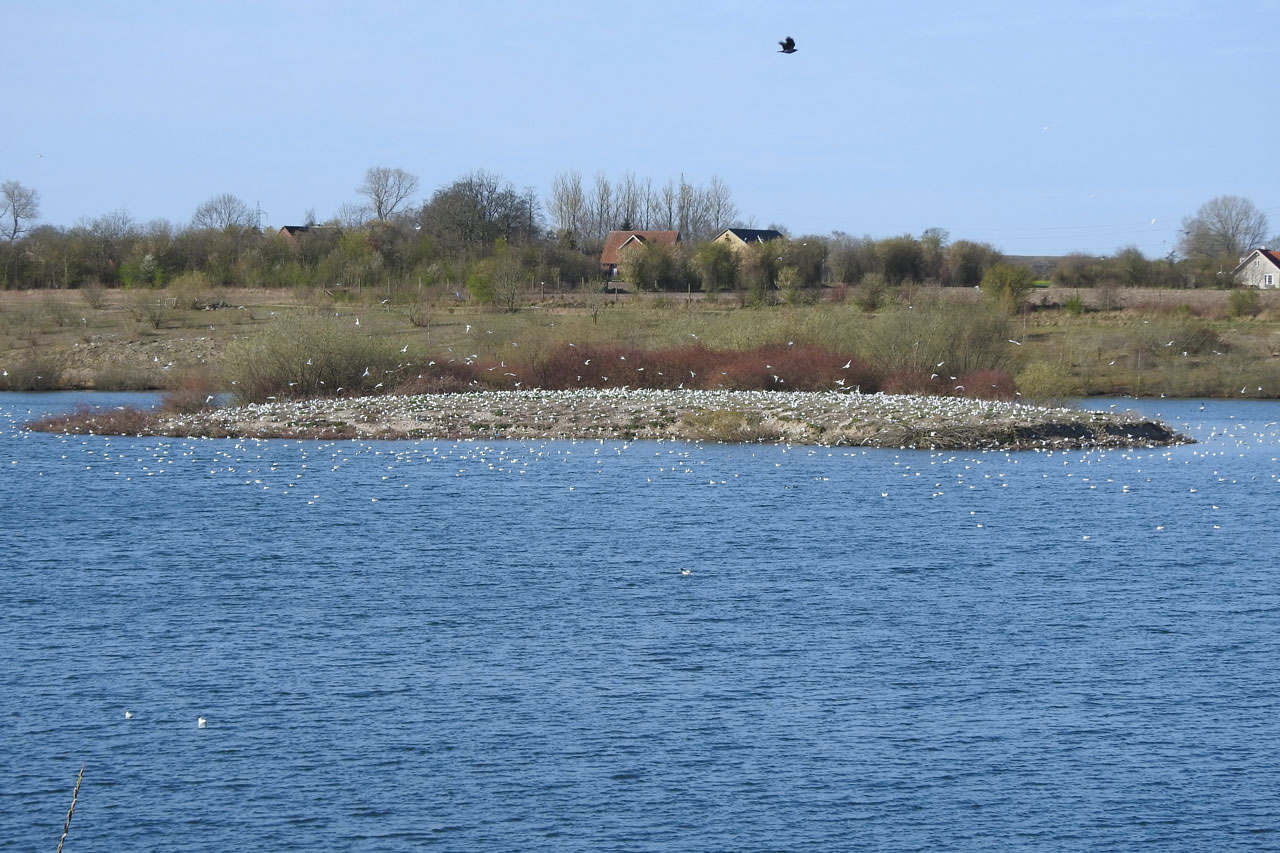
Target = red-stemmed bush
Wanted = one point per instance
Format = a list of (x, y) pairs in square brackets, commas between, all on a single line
[(988, 385)]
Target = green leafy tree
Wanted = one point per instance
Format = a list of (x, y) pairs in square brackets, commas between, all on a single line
[(758, 268), (790, 285), (480, 284), (1008, 284), (933, 244), (654, 266), (808, 255), (1077, 270), (966, 262), (717, 266), (851, 258), (902, 259), (1131, 268)]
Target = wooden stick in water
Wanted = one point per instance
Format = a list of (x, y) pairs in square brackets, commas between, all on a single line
[(66, 827)]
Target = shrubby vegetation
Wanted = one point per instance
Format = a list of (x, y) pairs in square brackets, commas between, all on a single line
[(904, 313), (482, 236)]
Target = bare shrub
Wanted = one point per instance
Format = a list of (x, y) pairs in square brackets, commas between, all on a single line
[(34, 371), (931, 334), (775, 367), (94, 295), (1167, 337), (420, 316), (122, 421), (1048, 383), (746, 371), (23, 321), (987, 385), (190, 391), (908, 381), (872, 292), (123, 378), (1244, 302), (794, 367), (150, 307), (728, 426), (449, 377), (57, 309), (312, 357), (193, 291)]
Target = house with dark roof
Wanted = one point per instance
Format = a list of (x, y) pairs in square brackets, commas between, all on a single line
[(1260, 268), (292, 233), (618, 242), (739, 238)]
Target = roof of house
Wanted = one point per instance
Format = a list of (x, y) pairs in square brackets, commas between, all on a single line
[(1267, 254), (295, 230), (753, 235), (617, 239)]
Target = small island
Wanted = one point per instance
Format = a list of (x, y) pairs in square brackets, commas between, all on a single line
[(791, 417)]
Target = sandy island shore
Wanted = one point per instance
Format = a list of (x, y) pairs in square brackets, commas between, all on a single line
[(836, 419)]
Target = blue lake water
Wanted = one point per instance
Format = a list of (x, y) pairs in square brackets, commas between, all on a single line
[(468, 646)]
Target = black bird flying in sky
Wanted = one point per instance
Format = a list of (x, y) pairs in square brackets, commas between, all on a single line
[(788, 46)]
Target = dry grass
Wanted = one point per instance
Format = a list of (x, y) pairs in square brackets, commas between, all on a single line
[(64, 339)]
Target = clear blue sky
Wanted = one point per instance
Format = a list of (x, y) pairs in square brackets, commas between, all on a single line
[(1038, 127)]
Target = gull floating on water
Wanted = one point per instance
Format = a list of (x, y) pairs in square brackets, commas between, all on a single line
[(200, 722), (128, 715)]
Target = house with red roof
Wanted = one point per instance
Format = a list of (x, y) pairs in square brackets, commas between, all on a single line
[(619, 242), (1260, 268)]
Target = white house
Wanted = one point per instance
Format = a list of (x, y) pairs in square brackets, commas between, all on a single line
[(1260, 268)]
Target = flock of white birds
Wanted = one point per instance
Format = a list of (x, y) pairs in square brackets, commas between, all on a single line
[(826, 418), (303, 472)]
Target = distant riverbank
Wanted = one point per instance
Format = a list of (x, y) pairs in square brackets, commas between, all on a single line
[(824, 418), (295, 343)]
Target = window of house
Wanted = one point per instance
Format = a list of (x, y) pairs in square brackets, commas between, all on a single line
[(1268, 280)]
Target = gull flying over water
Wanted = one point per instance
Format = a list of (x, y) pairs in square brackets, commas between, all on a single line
[(788, 45)]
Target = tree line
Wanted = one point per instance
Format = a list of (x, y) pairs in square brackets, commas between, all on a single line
[(483, 234)]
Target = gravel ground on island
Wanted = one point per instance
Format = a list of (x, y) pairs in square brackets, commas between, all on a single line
[(836, 419)]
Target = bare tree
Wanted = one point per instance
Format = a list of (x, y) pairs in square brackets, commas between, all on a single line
[(601, 207), (666, 206), (628, 204), (696, 212), (224, 211), (1224, 227), (721, 211), (478, 209), (568, 205), (19, 208), (387, 189), (647, 205), (686, 208), (703, 209), (351, 215)]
